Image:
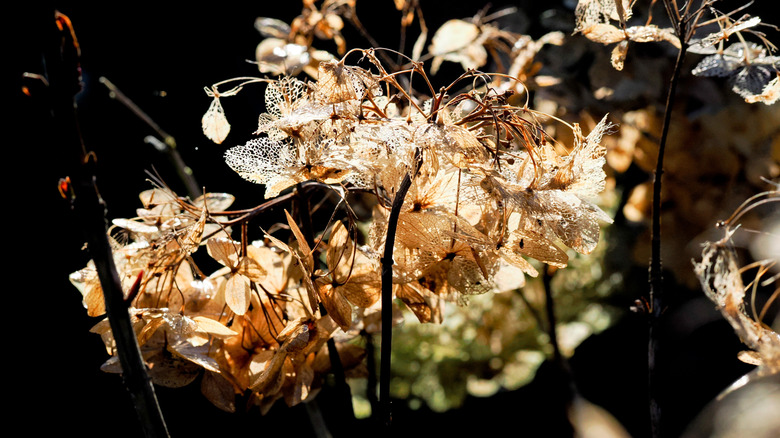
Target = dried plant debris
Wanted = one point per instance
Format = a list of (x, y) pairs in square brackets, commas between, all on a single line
[(751, 71), (721, 278), (604, 21), (494, 195)]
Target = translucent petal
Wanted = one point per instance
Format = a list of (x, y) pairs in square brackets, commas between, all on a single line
[(214, 123)]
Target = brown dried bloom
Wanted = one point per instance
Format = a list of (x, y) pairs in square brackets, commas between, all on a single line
[(721, 279)]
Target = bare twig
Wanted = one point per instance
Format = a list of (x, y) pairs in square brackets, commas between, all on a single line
[(167, 146), (656, 293), (88, 206)]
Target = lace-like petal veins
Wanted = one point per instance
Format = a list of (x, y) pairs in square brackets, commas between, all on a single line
[(338, 82), (264, 161), (535, 245), (284, 96), (590, 12)]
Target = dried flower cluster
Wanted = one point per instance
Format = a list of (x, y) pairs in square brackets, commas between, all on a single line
[(749, 66), (490, 191), (721, 279)]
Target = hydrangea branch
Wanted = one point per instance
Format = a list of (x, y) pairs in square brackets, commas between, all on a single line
[(89, 207), (387, 303), (167, 146), (682, 27)]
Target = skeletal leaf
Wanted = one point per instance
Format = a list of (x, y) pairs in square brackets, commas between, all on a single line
[(750, 71)]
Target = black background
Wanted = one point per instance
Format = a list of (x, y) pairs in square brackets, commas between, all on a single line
[(161, 55)]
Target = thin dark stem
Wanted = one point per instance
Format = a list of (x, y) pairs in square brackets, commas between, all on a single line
[(371, 365), (564, 383), (550, 313), (89, 208), (387, 303), (656, 300)]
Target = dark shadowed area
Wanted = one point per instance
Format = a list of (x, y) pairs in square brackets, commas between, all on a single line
[(162, 56)]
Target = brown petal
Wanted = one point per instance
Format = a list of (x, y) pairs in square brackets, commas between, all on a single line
[(362, 290), (219, 391), (339, 246), (223, 250), (415, 301), (335, 304)]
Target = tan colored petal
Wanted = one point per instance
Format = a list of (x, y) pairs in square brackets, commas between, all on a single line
[(339, 247), (413, 296), (223, 250), (300, 389), (212, 327), (219, 391), (364, 287), (604, 33), (237, 293), (266, 369), (306, 254), (335, 304), (250, 266), (214, 123), (170, 370)]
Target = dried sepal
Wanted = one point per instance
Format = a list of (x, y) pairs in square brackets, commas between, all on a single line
[(219, 391), (721, 279), (751, 72), (214, 122), (242, 271), (768, 95), (458, 41), (425, 305)]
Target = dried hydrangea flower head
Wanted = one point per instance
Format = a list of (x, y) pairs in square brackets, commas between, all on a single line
[(475, 158), (721, 279)]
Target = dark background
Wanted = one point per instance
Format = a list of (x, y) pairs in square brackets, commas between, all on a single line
[(161, 55)]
